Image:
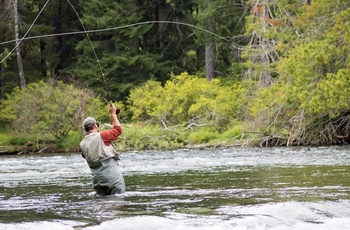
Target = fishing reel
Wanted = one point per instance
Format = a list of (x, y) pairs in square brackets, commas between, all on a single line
[(117, 110)]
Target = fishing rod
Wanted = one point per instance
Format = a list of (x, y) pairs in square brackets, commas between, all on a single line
[(95, 54)]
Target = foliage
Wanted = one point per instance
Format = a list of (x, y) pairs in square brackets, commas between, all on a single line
[(50, 110), (274, 28), (70, 142), (312, 90), (186, 99), (143, 137), (263, 31), (234, 132), (10, 137), (146, 100), (226, 19), (4, 139), (203, 135)]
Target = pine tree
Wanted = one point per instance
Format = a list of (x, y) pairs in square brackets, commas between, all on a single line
[(224, 18)]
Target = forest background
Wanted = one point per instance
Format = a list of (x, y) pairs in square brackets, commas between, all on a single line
[(184, 73)]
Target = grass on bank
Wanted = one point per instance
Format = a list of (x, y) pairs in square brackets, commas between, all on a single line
[(134, 137)]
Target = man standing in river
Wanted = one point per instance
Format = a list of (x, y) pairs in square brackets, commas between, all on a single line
[(98, 151)]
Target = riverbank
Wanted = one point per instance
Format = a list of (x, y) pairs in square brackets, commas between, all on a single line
[(135, 138), (52, 148), (28, 149)]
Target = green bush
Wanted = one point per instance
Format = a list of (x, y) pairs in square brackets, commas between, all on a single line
[(9, 137), (70, 142), (50, 109), (203, 135), (185, 99), (4, 139), (18, 141), (149, 137), (234, 132)]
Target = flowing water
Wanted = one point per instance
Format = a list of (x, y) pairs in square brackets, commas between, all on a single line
[(235, 188)]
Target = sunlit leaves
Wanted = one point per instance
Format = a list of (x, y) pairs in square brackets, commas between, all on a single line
[(186, 97), (332, 95)]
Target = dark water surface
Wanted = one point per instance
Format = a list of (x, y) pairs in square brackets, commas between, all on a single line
[(236, 188)]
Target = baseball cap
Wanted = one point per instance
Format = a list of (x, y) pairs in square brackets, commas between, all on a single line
[(89, 121)]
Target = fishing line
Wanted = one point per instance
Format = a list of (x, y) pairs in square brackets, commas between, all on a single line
[(23, 38), (117, 28)]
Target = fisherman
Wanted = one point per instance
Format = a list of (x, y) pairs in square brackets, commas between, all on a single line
[(98, 151)]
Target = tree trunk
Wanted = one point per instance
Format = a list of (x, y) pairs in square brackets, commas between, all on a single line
[(135, 42), (264, 52), (162, 16), (265, 75), (58, 43), (2, 79), (209, 49), (18, 49), (42, 52), (209, 61), (42, 58)]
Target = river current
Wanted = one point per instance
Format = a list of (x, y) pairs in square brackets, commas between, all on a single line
[(210, 189)]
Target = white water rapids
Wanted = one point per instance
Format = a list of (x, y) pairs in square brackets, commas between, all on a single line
[(214, 189)]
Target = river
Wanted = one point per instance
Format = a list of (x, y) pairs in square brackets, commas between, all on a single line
[(210, 189)]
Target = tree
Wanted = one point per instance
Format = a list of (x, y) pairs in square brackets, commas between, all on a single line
[(209, 47), (40, 57), (261, 54), (308, 103), (10, 9), (180, 52), (122, 54), (274, 28), (224, 18), (18, 49)]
